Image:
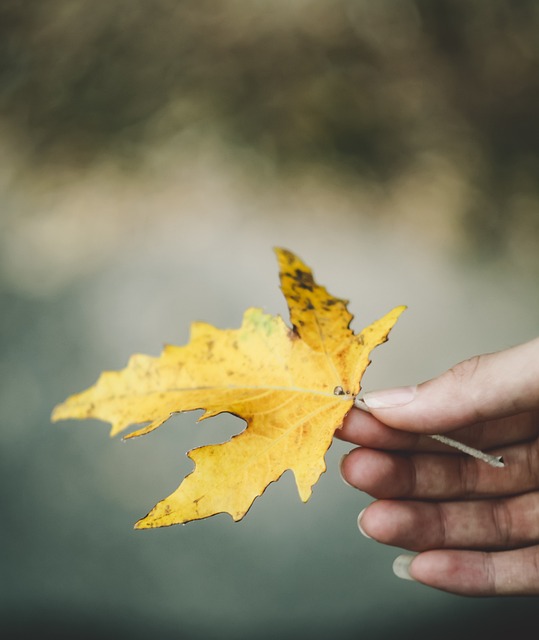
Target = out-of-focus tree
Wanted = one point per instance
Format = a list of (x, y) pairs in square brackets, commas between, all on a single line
[(371, 89)]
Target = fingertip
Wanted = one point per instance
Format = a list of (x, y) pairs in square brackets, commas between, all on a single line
[(401, 567), (342, 472), (359, 525), (364, 429), (353, 424)]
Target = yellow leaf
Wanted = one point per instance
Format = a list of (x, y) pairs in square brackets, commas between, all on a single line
[(293, 388)]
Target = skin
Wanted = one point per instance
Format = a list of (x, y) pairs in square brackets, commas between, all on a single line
[(473, 528)]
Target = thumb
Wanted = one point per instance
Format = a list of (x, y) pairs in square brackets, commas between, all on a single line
[(485, 387)]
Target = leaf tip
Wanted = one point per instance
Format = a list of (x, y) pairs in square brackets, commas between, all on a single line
[(284, 256), (61, 412), (150, 521), (141, 524)]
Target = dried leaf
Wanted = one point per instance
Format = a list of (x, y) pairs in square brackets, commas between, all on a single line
[(293, 388)]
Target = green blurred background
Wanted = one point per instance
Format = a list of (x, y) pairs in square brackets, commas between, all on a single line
[(152, 154)]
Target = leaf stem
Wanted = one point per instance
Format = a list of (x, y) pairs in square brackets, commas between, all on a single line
[(493, 461)]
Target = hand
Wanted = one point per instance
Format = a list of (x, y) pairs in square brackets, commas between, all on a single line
[(476, 527)]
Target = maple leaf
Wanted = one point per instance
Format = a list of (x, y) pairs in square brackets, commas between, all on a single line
[(292, 386)]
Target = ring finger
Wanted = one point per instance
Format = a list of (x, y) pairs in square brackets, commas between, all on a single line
[(479, 524)]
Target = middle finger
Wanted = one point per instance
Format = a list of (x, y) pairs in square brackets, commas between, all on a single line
[(441, 476)]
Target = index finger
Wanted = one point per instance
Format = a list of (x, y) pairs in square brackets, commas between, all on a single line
[(364, 429), (484, 388)]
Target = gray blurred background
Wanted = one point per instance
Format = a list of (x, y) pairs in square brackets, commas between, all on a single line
[(152, 154)]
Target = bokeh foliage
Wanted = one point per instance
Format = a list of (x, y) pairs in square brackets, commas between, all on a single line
[(371, 89)]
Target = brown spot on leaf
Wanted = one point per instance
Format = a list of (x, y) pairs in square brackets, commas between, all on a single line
[(304, 279)]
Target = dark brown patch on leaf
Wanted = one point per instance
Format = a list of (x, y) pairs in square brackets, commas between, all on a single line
[(304, 279)]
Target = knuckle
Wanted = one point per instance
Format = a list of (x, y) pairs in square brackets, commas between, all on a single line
[(466, 370), (468, 382), (490, 573), (501, 516), (468, 474)]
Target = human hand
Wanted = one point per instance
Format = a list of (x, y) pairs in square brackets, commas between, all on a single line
[(476, 527)]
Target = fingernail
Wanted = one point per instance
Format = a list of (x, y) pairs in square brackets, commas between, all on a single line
[(359, 404), (340, 471), (361, 530), (390, 398), (401, 567)]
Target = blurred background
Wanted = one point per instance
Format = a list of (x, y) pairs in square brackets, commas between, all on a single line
[(151, 155)]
